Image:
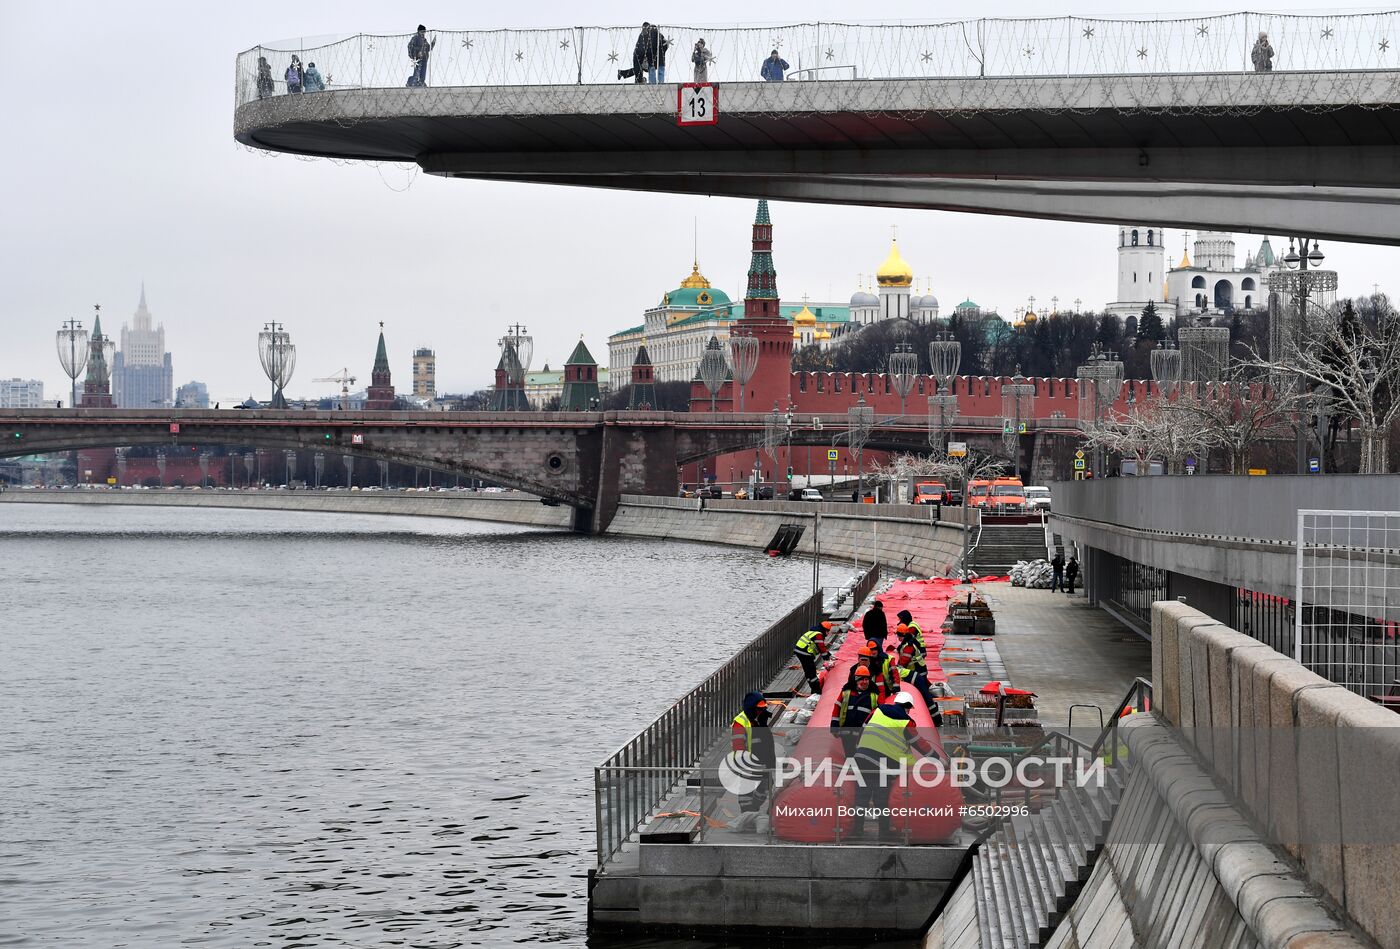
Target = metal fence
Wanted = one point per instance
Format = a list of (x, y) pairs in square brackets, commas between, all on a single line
[(1348, 620), (636, 778), (823, 52)]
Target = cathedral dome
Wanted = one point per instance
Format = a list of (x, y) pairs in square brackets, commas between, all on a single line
[(823, 335), (805, 317), (864, 298), (894, 272)]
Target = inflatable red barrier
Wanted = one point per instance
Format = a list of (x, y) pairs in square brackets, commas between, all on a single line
[(812, 811)]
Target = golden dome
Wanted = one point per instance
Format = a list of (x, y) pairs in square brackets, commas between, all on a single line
[(804, 317), (1031, 317), (894, 272), (696, 278), (823, 335)]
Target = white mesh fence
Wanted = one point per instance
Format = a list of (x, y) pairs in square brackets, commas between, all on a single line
[(1348, 620), (1027, 49)]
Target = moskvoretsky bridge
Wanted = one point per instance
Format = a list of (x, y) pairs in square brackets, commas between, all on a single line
[(583, 459)]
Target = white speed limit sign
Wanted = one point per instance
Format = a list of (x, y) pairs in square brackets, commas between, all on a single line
[(697, 103)]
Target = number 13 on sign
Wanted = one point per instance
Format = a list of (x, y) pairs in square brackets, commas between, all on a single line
[(697, 104)]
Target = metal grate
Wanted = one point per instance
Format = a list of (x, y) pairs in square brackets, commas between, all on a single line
[(1348, 623)]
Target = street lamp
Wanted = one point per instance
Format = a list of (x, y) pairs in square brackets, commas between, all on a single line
[(73, 354), (1287, 331), (279, 358), (903, 367), (713, 369), (860, 419), (743, 349), (1017, 399)]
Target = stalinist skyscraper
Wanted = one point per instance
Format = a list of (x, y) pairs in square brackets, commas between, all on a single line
[(141, 373)]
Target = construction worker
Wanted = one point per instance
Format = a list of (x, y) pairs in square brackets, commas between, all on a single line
[(912, 629), (886, 675), (749, 733), (890, 738), (866, 657), (853, 708), (810, 646), (915, 672)]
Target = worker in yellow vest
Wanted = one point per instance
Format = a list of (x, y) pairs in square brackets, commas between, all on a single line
[(852, 709), (811, 645), (890, 739), (750, 733)]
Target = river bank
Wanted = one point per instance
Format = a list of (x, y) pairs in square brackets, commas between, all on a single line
[(904, 537)]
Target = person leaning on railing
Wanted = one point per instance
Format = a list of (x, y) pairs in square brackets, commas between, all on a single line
[(701, 58), (1262, 56), (773, 68), (264, 80)]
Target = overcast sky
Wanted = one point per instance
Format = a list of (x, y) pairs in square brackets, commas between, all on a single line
[(120, 165)]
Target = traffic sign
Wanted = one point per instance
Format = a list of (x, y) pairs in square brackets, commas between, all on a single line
[(832, 454), (1258, 471), (1313, 465), (957, 449), (1079, 454), (1079, 464), (357, 439), (1023, 428), (174, 428), (697, 103)]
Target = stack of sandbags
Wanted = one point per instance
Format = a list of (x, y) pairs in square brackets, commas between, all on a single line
[(1031, 573)]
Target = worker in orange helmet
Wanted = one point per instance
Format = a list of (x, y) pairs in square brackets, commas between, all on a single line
[(886, 675), (851, 710)]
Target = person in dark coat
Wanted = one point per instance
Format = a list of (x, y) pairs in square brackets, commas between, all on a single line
[(874, 624), (265, 87), (1057, 572), (1071, 574), (419, 49), (1262, 56), (641, 57)]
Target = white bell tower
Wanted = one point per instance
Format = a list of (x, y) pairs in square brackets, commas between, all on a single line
[(1141, 263)]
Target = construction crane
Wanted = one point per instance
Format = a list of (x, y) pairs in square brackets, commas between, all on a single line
[(346, 381)]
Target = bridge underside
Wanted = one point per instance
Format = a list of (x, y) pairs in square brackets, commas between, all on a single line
[(1204, 151)]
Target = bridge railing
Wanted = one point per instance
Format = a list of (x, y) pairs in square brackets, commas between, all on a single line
[(827, 52)]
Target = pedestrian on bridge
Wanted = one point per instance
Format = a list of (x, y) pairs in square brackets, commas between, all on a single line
[(1262, 56), (641, 57), (702, 57), (312, 81), (773, 68), (264, 80), (419, 49), (293, 76), (657, 45), (1071, 574)]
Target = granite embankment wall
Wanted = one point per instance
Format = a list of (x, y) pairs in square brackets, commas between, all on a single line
[(905, 537), (902, 536), (1264, 808), (509, 508)]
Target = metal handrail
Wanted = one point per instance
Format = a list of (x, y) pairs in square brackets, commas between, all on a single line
[(1139, 693), (682, 734)]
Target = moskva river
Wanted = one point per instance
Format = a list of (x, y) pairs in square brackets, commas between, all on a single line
[(244, 728)]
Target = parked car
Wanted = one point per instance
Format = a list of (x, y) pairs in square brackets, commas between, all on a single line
[(806, 494), (978, 491), (1007, 496), (713, 491), (1038, 497), (764, 492)]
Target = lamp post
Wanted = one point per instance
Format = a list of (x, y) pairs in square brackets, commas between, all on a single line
[(944, 356), (279, 358), (1288, 332), (903, 367), (713, 369), (73, 354), (860, 419), (1017, 398), (743, 349)]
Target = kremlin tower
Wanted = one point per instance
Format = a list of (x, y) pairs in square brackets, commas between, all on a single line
[(771, 382), (380, 395)]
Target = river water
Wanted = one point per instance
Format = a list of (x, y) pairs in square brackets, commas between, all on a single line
[(246, 728)]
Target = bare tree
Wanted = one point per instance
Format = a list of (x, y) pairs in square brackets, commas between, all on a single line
[(1239, 413), (1160, 429), (1354, 362)]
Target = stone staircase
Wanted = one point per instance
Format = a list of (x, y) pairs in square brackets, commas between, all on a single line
[(1027, 873), (1000, 546)]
